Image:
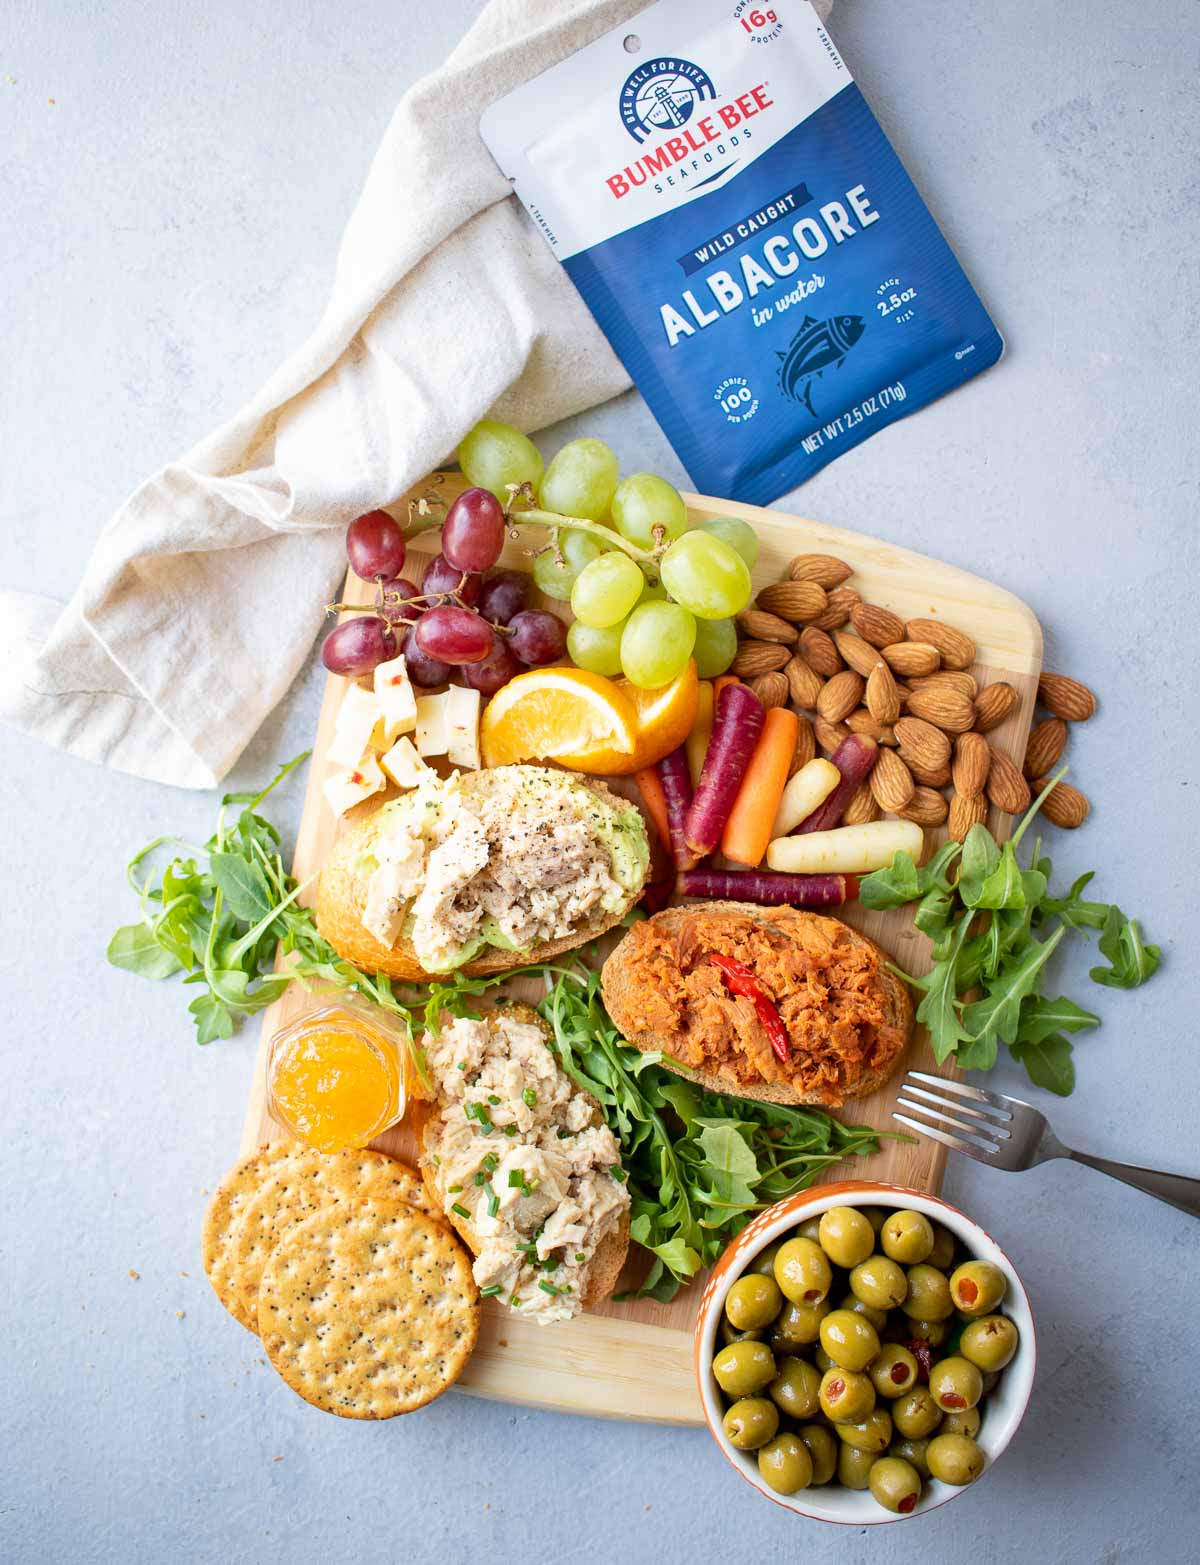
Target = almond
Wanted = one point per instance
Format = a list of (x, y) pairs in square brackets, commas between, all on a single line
[(862, 807), (891, 782), (931, 776), (860, 721), (966, 810), (838, 610), (1046, 745), (806, 746), (794, 600), (922, 743), (1006, 788), (767, 627), (758, 657), (946, 709), (949, 679), (878, 626), (840, 695), (972, 761), (907, 658), (1063, 806), (861, 655), (927, 807), (825, 569), (957, 650), (992, 705), (771, 689), (883, 699), (1066, 698), (819, 652), (829, 735), (803, 682)]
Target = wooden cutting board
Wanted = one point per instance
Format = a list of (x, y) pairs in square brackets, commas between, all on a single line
[(633, 1360)]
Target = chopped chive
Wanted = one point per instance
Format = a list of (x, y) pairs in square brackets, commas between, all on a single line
[(453, 1189), (552, 1263), (493, 1202), (564, 1135), (551, 1289), (529, 1097), (491, 1162), (493, 1099), (459, 1209), (618, 1173), (580, 1257), (481, 1179), (437, 1162), (532, 1184), (516, 1179), (491, 1291), (526, 1247), (509, 1130), (516, 1301), (462, 1065)]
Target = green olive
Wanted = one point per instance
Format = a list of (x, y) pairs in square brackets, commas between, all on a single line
[(753, 1302), (744, 1368), (845, 1397), (751, 1423), (912, 1451), (810, 1228), (797, 1325), (854, 1466), (878, 1318), (729, 1333), (916, 1414), (822, 1360), (802, 1271), (990, 1342), (880, 1282), (990, 1378), (846, 1236), (894, 1372), (942, 1254), (896, 1484), (964, 1423), (928, 1294), (849, 1339), (796, 1388), (784, 1464), (977, 1287), (934, 1332), (823, 1448), (871, 1433), (955, 1384), (764, 1262), (907, 1237), (876, 1216), (954, 1459)]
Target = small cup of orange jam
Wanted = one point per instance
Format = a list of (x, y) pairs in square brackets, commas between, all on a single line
[(336, 1076)]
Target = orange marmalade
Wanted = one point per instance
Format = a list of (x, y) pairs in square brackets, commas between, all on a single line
[(336, 1078)]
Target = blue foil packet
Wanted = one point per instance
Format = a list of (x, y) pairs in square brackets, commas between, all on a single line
[(740, 227)]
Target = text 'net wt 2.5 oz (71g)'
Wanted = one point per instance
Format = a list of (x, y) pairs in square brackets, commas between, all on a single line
[(734, 217)]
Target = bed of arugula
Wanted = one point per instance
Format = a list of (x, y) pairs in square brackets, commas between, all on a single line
[(226, 915)]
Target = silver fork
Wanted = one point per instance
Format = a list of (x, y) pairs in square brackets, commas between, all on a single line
[(1009, 1134)]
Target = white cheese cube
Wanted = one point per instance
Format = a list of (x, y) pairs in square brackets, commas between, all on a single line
[(346, 789), (355, 723), (395, 699), (433, 736), (404, 766), (462, 724)]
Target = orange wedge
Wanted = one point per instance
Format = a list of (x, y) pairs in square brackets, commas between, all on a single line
[(560, 714), (664, 720)]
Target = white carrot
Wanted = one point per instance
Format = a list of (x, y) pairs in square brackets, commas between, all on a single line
[(847, 850), (810, 787)]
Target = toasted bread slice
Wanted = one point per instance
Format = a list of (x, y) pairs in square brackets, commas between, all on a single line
[(624, 991), (342, 896), (609, 1259)]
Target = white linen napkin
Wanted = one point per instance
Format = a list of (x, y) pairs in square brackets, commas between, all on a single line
[(167, 658)]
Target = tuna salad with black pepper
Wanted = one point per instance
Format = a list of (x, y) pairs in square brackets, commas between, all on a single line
[(508, 858), (521, 1158)]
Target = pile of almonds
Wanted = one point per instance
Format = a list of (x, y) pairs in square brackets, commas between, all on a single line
[(853, 667)]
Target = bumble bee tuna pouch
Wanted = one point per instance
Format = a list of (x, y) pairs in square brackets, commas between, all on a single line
[(740, 227)]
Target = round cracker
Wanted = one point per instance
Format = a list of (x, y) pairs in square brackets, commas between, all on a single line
[(225, 1211), (297, 1189), (369, 1309)]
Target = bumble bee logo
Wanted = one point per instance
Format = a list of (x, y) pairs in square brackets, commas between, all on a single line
[(661, 95)]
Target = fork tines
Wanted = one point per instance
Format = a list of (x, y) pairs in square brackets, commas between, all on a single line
[(977, 1116)]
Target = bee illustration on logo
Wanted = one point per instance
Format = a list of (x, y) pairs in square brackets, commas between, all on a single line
[(816, 345), (661, 95)]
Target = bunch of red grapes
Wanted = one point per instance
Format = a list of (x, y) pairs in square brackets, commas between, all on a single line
[(457, 620)]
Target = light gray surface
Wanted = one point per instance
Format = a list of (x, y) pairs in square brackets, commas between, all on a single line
[(169, 227)]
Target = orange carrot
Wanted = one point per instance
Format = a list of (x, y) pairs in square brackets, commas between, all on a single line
[(748, 829), (720, 682), (697, 740), (656, 803)]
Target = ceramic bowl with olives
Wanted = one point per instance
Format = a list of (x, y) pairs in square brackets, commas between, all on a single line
[(864, 1352)]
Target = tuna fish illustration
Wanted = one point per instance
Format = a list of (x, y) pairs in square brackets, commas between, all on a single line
[(816, 345)]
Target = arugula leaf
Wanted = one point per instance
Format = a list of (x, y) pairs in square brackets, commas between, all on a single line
[(1041, 1017), (980, 858), (977, 1054), (891, 887), (939, 1009), (729, 1162), (1048, 1063), (137, 949), (998, 1014), (1003, 887), (1072, 909), (214, 1019), (243, 885), (1131, 962)]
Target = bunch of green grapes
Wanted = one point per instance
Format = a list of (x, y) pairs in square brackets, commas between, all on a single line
[(647, 591)]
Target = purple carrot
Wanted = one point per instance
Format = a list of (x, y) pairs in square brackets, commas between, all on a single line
[(854, 758), (676, 782), (739, 722), (772, 889)]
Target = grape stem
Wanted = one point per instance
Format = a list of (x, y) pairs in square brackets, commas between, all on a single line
[(608, 535)]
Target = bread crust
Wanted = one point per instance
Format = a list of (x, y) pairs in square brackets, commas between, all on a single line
[(608, 1261), (341, 898), (620, 991)]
